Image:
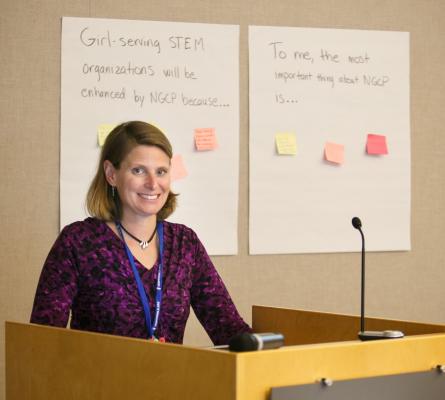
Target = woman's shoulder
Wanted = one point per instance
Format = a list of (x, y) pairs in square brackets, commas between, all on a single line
[(81, 230), (86, 224), (181, 230), (177, 228)]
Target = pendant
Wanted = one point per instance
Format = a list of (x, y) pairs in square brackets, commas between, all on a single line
[(144, 244), (155, 339)]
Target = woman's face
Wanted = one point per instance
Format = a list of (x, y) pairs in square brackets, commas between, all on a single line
[(142, 181)]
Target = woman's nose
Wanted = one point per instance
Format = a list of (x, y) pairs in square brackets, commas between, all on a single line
[(151, 181)]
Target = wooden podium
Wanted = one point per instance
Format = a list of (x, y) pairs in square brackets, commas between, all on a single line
[(45, 363)]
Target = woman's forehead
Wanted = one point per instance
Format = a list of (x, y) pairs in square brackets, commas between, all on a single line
[(146, 154)]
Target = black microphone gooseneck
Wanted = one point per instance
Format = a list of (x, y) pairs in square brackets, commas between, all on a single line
[(357, 224), (369, 335)]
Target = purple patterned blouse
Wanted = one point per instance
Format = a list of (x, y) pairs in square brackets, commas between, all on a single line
[(87, 271)]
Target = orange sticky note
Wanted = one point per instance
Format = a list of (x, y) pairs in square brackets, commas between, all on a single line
[(334, 152), (286, 143), (178, 170), (205, 139), (376, 144), (103, 131)]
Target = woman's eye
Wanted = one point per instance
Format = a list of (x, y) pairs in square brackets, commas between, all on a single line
[(137, 170), (162, 171)]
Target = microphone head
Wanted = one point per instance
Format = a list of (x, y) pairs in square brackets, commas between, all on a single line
[(243, 342), (356, 223)]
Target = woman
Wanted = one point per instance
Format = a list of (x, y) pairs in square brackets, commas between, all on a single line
[(125, 270)]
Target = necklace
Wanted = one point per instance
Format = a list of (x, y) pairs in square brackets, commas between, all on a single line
[(143, 243)]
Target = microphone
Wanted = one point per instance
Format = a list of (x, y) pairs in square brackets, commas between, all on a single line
[(256, 341), (356, 223), (369, 335)]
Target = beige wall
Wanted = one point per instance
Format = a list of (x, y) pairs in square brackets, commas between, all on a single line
[(403, 285)]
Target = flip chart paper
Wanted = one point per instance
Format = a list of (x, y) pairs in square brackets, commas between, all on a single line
[(328, 85), (177, 76)]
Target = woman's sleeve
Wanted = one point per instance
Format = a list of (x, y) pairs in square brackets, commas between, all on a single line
[(211, 301), (57, 285)]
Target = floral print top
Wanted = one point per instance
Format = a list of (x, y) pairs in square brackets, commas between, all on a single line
[(88, 273)]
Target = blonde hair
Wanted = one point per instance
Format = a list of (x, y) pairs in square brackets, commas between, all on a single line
[(100, 202)]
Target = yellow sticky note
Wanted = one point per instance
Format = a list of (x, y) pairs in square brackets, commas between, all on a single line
[(103, 131), (334, 152), (286, 143), (205, 139), (178, 170)]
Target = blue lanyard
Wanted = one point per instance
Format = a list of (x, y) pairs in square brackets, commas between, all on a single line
[(145, 304)]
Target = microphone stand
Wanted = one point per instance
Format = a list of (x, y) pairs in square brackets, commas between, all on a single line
[(369, 335), (362, 295)]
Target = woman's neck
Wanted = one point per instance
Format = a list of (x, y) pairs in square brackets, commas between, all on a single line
[(140, 227)]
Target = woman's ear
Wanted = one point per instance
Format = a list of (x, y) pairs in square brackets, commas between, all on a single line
[(110, 173)]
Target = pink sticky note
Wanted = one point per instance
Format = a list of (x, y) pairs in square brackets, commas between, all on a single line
[(334, 152), (178, 170), (205, 139), (376, 144)]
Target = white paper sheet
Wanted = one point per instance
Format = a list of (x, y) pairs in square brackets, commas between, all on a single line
[(338, 86), (177, 76)]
